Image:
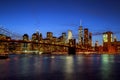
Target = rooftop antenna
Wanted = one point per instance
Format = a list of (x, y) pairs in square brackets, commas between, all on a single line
[(80, 22), (37, 30)]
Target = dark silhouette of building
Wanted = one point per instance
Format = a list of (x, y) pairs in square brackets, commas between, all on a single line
[(86, 38), (64, 37), (90, 39), (72, 46), (40, 37)]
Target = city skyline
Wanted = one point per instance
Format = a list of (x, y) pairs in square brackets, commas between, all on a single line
[(59, 16)]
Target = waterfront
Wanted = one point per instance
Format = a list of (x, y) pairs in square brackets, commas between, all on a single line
[(60, 67)]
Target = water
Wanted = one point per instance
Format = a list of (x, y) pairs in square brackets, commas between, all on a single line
[(60, 67)]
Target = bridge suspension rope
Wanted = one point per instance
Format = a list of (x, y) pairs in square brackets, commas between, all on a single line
[(9, 33)]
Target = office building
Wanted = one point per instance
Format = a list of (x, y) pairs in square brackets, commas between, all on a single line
[(86, 38), (25, 37), (80, 36), (40, 37), (69, 35), (49, 35), (90, 39), (64, 37)]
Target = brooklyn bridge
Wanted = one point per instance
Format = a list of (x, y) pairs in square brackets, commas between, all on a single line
[(14, 43)]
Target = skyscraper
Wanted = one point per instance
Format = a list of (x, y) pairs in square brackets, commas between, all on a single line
[(25, 37), (64, 37), (80, 35), (25, 45), (69, 35), (90, 39), (34, 37), (49, 35), (40, 36), (86, 39)]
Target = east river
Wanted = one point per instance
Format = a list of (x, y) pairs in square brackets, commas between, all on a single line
[(60, 67)]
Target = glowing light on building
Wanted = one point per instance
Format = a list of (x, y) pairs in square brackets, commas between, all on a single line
[(105, 38), (108, 37), (69, 35), (111, 37), (80, 35)]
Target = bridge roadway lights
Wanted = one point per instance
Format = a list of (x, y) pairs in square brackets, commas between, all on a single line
[(71, 50)]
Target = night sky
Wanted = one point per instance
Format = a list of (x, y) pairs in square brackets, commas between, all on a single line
[(57, 16)]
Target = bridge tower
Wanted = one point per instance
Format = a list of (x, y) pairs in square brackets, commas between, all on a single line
[(72, 47)]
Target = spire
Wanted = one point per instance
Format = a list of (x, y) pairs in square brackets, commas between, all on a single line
[(37, 30), (80, 22)]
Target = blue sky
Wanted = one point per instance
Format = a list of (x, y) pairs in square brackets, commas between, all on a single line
[(57, 16)]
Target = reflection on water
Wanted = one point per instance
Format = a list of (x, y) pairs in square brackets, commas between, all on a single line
[(69, 64), (106, 66), (60, 67)]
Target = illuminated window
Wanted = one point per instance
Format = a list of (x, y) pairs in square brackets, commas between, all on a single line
[(111, 38), (105, 38)]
